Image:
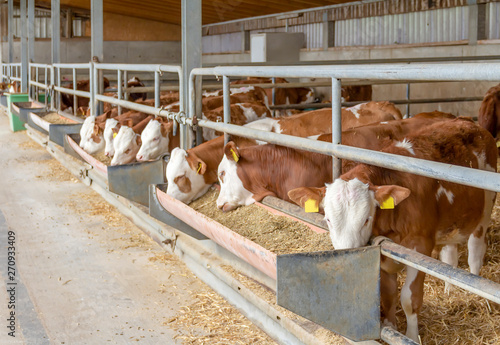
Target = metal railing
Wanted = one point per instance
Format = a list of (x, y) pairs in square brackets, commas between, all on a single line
[(35, 84), (122, 102), (417, 72), (11, 72), (58, 89)]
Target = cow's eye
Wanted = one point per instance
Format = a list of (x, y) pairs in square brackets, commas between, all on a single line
[(127, 151)]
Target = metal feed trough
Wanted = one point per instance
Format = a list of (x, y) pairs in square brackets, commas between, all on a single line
[(317, 301), (128, 180)]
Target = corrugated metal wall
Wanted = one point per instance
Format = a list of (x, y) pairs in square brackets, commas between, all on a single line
[(432, 26), (43, 24), (493, 30), (224, 43), (443, 25)]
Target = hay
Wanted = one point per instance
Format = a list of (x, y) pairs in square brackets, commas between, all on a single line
[(279, 234), (211, 320), (325, 336), (55, 118), (58, 173), (101, 157)]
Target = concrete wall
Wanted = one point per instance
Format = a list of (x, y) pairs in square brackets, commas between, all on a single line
[(78, 50)]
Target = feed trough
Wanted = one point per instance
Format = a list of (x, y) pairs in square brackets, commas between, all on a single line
[(22, 109)]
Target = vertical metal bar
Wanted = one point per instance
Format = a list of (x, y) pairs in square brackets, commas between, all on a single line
[(273, 97), (57, 77), (75, 99), (94, 82), (408, 98), (24, 48), (97, 46), (120, 87), (227, 104), (336, 124), (96, 29), (473, 21), (31, 30), (191, 53), (10, 28), (37, 79), (49, 92), (125, 81), (56, 30), (157, 89), (325, 31)]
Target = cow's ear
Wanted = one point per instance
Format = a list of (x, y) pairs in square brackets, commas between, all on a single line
[(308, 198), (232, 152), (165, 128), (389, 196), (196, 164)]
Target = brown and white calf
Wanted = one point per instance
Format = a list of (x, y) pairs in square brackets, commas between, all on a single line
[(128, 141), (157, 139), (421, 212), (183, 165), (112, 127), (91, 138), (241, 113), (489, 111), (320, 121), (272, 170)]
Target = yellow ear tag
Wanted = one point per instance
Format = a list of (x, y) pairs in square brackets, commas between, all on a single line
[(235, 156), (114, 135), (498, 143), (199, 168), (388, 204), (311, 206)]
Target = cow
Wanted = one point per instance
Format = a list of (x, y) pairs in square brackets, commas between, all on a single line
[(82, 102), (320, 121), (183, 165), (416, 212), (489, 111), (295, 95), (157, 139), (352, 93), (91, 140), (241, 113), (128, 141), (112, 126), (249, 174)]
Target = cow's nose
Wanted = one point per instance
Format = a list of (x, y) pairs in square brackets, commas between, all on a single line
[(227, 207), (107, 154), (139, 157)]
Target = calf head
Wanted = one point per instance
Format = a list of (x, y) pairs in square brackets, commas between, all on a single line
[(185, 176), (350, 207), (232, 192), (91, 139), (126, 145), (155, 140), (110, 132)]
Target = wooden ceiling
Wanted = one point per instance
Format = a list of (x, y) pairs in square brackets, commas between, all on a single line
[(214, 11)]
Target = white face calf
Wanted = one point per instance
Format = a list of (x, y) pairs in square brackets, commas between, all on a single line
[(184, 183), (109, 135), (154, 144), (126, 146), (349, 209), (90, 139), (232, 192)]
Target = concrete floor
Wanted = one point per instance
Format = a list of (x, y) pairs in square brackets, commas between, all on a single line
[(84, 273)]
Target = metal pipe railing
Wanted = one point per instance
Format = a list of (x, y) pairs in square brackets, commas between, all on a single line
[(461, 278)]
